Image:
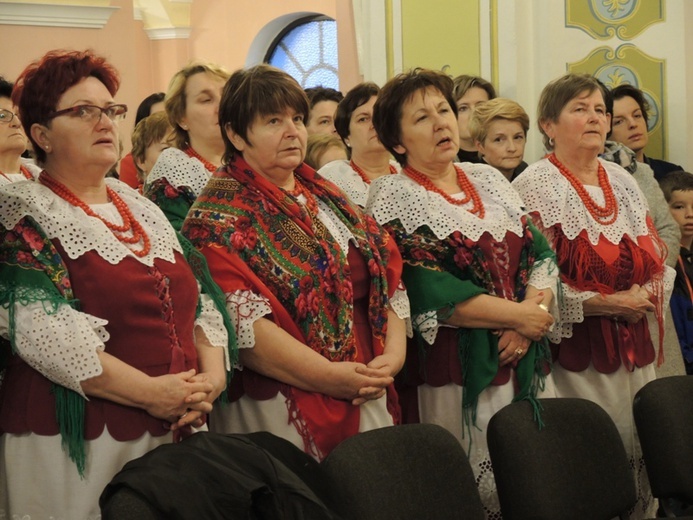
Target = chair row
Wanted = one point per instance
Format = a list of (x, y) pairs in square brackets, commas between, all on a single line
[(573, 468)]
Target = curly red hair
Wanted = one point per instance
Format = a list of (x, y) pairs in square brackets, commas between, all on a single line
[(41, 85)]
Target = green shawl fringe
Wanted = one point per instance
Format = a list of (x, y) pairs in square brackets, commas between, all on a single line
[(198, 264)]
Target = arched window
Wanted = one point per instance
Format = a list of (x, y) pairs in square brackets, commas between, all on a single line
[(307, 50)]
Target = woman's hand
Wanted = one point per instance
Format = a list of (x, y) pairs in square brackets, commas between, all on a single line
[(172, 395), (195, 417), (390, 362), (631, 305), (512, 346), (533, 321), (357, 382)]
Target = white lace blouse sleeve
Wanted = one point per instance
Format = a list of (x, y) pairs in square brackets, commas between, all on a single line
[(62, 345), (544, 276), (245, 308), (427, 325), (570, 312), (212, 324), (399, 303)]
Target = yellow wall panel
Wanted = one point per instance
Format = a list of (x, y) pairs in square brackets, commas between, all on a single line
[(441, 34)]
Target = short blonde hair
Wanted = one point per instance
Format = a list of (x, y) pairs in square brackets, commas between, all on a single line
[(175, 103), (151, 129), (318, 144), (486, 112)]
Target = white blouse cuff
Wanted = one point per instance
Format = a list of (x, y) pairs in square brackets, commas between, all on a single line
[(571, 312), (63, 345), (399, 303), (212, 324), (427, 325), (245, 308)]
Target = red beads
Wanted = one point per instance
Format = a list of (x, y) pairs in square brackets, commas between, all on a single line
[(208, 165), (462, 181), (362, 173), (604, 215), (299, 189), (130, 224)]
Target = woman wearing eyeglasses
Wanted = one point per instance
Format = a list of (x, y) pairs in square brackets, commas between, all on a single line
[(106, 352), (12, 140)]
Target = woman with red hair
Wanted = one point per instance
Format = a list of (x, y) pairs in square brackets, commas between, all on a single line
[(106, 352)]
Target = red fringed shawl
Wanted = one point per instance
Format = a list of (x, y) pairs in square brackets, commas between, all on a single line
[(257, 237), (607, 268)]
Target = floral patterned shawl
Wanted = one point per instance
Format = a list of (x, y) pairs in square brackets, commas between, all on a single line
[(274, 247)]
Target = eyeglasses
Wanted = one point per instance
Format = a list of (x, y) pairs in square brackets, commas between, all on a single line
[(92, 113), (6, 116)]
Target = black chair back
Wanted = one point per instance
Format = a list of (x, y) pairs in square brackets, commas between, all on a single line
[(408, 472), (574, 468), (663, 411)]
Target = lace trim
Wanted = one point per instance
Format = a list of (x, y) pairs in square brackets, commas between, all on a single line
[(427, 325), (336, 227), (179, 170), (399, 303), (545, 276), (79, 233), (546, 192), (343, 175), (212, 324), (399, 197), (80, 336), (9, 178), (486, 484), (245, 308)]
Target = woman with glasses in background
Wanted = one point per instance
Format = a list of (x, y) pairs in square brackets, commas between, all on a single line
[(104, 348), (13, 140)]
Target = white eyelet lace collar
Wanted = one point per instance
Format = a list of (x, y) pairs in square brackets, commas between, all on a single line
[(79, 233), (400, 197), (350, 182), (179, 170), (546, 191)]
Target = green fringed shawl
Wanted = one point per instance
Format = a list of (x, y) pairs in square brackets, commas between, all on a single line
[(31, 270), (199, 267), (430, 288)]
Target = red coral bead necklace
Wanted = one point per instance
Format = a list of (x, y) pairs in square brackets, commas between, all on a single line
[(130, 224), (362, 173), (604, 215), (464, 184), (208, 165), (299, 189), (23, 170)]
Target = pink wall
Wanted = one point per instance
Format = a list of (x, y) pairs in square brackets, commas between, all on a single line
[(222, 32)]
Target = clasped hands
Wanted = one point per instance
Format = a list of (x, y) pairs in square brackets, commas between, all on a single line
[(184, 398), (535, 321)]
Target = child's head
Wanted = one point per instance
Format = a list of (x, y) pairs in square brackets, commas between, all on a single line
[(150, 137), (678, 191)]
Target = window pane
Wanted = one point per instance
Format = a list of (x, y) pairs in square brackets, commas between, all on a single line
[(308, 52)]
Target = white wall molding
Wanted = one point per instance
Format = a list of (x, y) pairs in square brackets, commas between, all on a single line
[(169, 33), (55, 15)]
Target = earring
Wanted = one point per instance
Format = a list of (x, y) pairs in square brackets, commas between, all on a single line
[(551, 142), (184, 127)]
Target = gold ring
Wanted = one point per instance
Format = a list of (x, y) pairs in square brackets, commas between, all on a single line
[(186, 413), (544, 307), (519, 352)]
